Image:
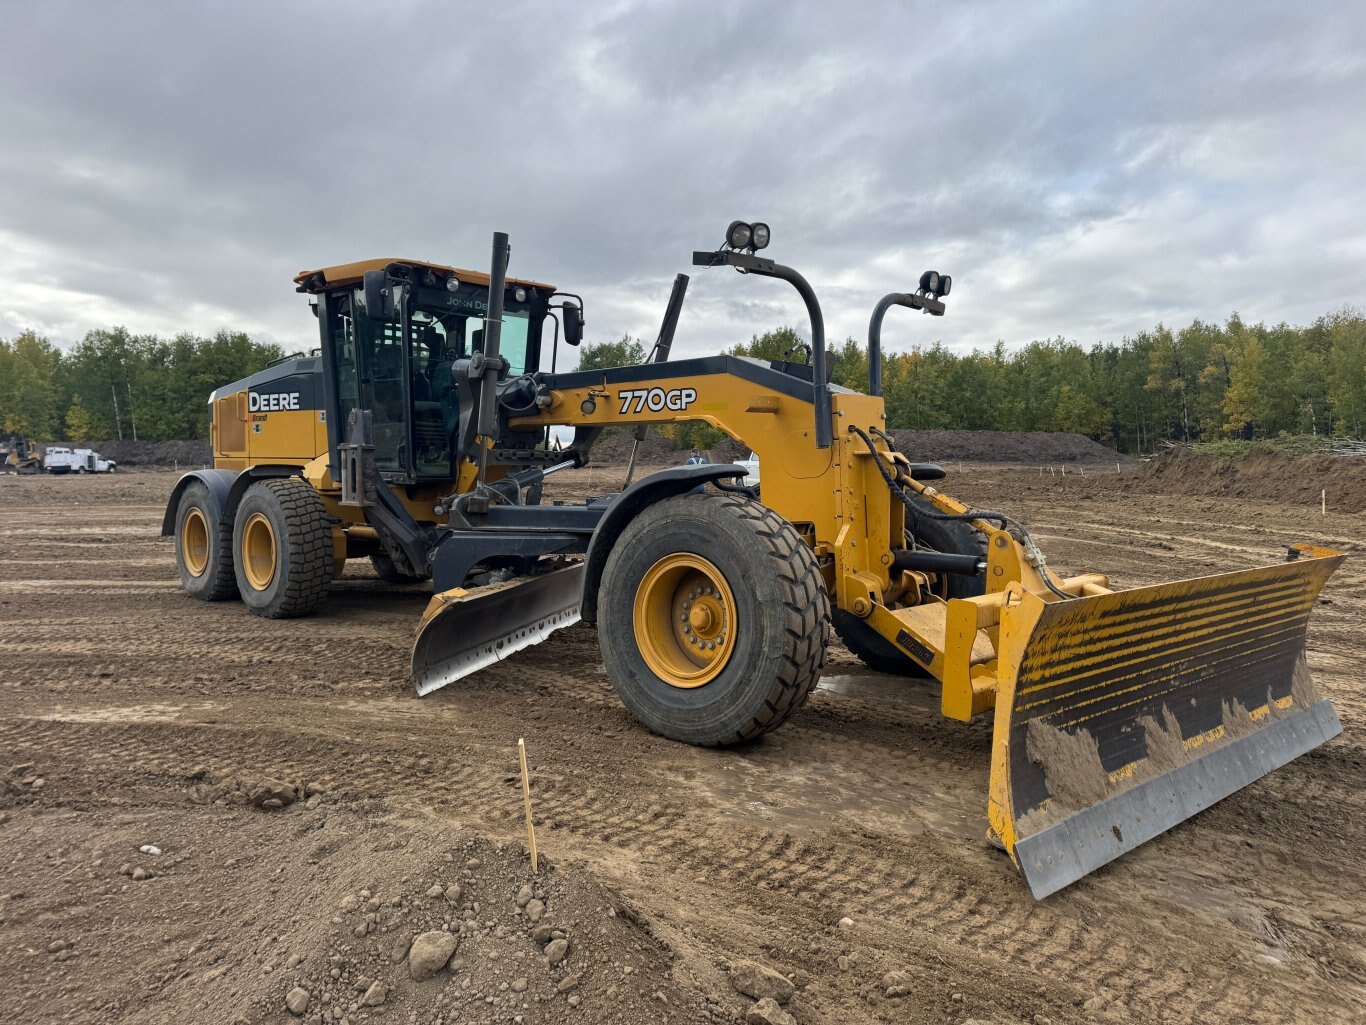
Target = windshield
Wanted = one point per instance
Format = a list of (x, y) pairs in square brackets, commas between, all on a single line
[(453, 323), (408, 383)]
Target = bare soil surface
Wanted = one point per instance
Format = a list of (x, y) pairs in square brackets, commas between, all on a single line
[(844, 847)]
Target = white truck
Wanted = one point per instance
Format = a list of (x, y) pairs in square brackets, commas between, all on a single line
[(76, 460)]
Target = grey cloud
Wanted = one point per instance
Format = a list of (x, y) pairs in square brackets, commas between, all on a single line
[(1081, 169)]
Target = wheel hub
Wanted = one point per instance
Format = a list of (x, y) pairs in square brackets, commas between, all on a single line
[(684, 620), (194, 542), (258, 551)]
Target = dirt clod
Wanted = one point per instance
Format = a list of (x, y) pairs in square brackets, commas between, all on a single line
[(896, 984)]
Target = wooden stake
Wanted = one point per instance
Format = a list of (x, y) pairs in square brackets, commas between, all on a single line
[(526, 802)]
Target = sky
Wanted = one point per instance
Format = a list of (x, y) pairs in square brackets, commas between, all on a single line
[(1083, 170)]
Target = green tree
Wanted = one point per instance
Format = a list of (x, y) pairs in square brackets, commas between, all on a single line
[(77, 421), (1245, 399), (624, 352), (1346, 364), (780, 343), (28, 388)]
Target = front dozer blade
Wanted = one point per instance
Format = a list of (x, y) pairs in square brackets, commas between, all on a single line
[(463, 631), (1122, 714)]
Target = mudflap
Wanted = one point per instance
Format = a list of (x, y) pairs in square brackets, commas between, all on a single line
[(1120, 715), (464, 631)]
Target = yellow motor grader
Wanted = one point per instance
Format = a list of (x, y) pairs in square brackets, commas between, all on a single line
[(418, 436)]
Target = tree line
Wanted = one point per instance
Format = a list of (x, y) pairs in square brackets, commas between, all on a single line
[(1198, 383), (114, 384)]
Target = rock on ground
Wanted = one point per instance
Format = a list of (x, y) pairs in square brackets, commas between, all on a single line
[(759, 981), (269, 790), (767, 1012), (429, 953), (297, 1000)]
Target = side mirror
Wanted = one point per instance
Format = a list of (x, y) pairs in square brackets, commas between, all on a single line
[(573, 324), (375, 295)]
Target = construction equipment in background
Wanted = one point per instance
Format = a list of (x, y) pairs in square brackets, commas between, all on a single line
[(417, 437), (20, 455), (60, 460)]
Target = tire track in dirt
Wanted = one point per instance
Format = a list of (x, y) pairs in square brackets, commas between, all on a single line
[(761, 848), (820, 872)]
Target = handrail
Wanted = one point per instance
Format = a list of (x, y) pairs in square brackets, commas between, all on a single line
[(820, 385), (913, 301)]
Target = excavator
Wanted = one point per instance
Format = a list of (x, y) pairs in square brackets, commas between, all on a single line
[(419, 435)]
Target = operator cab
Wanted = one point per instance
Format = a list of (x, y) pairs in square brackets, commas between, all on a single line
[(392, 349)]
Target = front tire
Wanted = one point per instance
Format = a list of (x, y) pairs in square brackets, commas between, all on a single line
[(713, 619), (203, 547), (282, 546)]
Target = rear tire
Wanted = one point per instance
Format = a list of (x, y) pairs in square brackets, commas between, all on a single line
[(950, 537), (738, 578), (203, 547), (282, 543)]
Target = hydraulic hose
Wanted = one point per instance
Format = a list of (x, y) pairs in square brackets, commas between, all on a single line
[(1032, 550)]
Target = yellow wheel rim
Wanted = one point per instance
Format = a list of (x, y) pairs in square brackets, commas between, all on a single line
[(194, 542), (258, 551), (684, 620)]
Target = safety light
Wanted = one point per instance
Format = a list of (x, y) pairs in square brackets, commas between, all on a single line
[(452, 284), (758, 235), (738, 235)]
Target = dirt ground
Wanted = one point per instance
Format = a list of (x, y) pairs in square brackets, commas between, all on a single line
[(131, 715)]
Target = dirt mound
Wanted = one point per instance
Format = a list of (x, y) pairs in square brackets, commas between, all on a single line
[(1033, 448), (475, 935), (154, 453), (1262, 472), (1030, 447)]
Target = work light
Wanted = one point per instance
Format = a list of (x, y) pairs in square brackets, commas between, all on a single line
[(929, 282), (452, 284), (758, 235), (519, 293), (738, 235)]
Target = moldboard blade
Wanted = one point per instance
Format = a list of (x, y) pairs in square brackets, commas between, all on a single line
[(1120, 715), (464, 631)]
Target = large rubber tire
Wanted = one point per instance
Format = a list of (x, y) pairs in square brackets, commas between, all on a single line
[(779, 620), (951, 537), (282, 548), (388, 572), (203, 547)]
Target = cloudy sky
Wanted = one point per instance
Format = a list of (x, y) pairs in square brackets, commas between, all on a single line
[(1082, 169)]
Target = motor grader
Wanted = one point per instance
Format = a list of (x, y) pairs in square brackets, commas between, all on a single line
[(418, 436)]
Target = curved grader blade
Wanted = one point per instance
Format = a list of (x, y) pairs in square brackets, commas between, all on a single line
[(463, 631), (1120, 715)]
